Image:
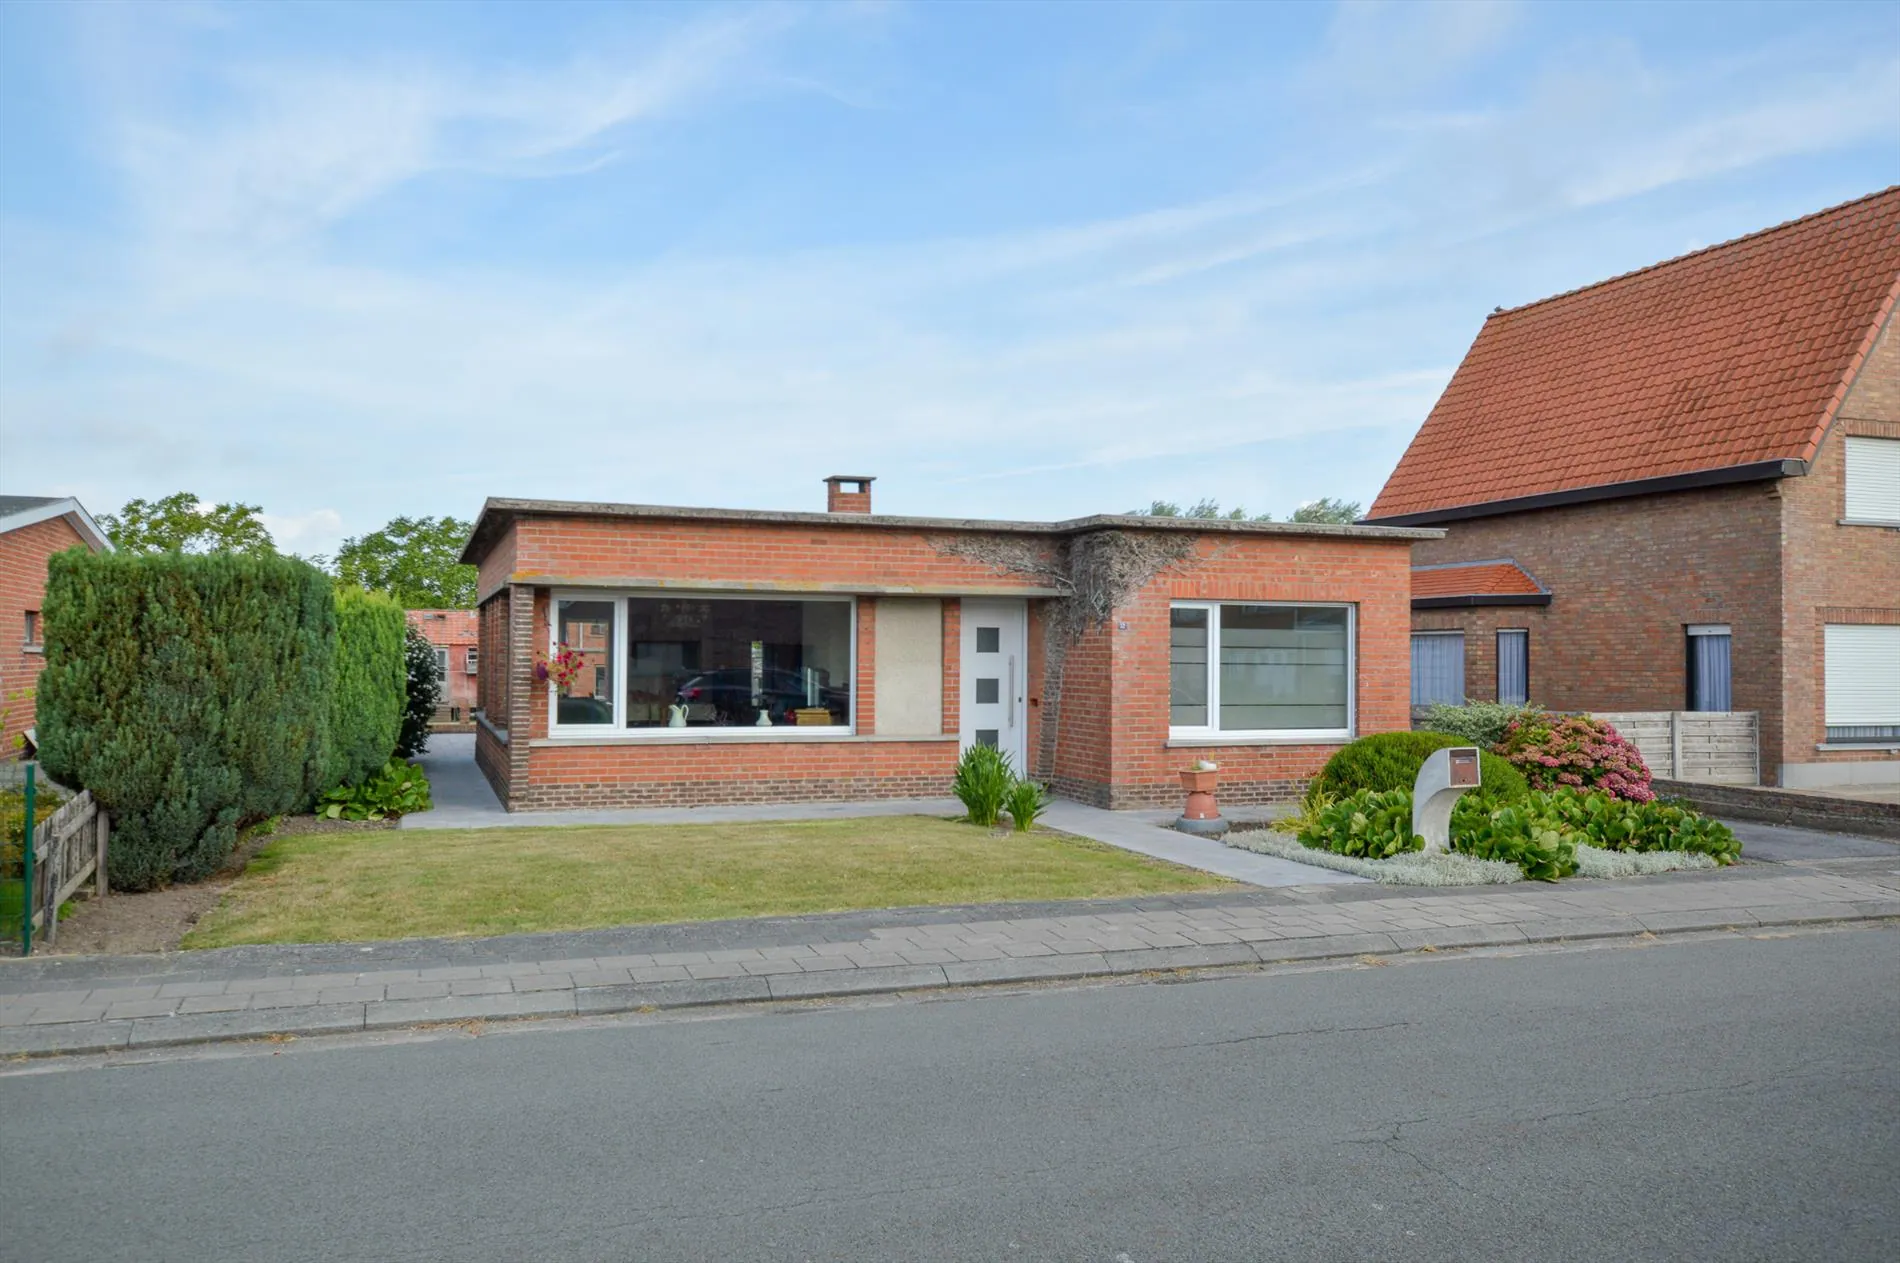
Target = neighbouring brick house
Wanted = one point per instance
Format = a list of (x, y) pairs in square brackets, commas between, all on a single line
[(724, 656), (32, 528), (1679, 489), (457, 642)]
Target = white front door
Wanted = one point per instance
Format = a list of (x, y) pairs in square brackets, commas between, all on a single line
[(995, 676)]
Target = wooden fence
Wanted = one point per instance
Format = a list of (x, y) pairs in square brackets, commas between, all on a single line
[(1720, 747), (68, 847)]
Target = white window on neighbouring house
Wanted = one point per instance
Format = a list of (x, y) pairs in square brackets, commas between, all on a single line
[(442, 664), (1709, 667), (471, 662), (1873, 479), (1861, 680), (1267, 671), (1438, 668), (1514, 666)]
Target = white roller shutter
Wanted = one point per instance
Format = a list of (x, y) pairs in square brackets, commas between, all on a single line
[(1873, 480), (1863, 675)]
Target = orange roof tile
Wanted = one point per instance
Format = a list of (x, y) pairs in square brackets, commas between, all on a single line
[(1731, 356), (1473, 579)]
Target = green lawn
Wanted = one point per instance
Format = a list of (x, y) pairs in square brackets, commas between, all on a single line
[(339, 887)]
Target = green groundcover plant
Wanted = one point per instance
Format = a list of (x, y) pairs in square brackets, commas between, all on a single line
[(399, 789), (1539, 832)]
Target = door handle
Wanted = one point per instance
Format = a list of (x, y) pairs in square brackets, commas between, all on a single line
[(1011, 708)]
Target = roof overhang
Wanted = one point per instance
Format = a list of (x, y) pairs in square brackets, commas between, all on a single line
[(68, 508), (1755, 471), (1479, 598), (496, 514)]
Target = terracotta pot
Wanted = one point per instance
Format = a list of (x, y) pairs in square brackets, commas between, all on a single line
[(1200, 787)]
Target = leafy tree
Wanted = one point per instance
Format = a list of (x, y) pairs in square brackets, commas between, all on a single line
[(1326, 509), (1204, 508), (182, 523), (414, 560)]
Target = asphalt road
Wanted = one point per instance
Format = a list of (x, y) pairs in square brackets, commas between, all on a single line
[(1736, 1099)]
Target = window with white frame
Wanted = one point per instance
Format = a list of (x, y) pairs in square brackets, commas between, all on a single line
[(472, 660), (1873, 479), (1861, 682), (645, 664), (442, 666), (1709, 669), (1240, 670), (1438, 668)]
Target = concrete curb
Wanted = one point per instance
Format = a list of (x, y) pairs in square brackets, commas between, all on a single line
[(80, 1037)]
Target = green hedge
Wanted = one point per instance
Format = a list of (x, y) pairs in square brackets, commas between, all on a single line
[(371, 684), (1390, 760), (190, 694)]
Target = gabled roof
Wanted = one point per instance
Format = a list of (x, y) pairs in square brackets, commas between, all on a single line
[(22, 511), (1720, 366), (1456, 583)]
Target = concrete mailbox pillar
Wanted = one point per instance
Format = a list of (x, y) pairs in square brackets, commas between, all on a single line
[(1447, 773)]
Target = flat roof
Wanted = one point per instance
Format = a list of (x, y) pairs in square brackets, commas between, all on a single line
[(498, 512)]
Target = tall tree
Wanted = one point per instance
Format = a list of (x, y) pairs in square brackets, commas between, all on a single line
[(182, 523), (1326, 509), (414, 560)]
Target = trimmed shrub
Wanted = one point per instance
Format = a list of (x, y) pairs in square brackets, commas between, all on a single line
[(1479, 723), (190, 694), (1390, 760), (423, 692), (370, 686), (1577, 751)]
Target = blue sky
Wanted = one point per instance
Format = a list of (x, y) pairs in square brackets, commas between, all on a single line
[(349, 262)]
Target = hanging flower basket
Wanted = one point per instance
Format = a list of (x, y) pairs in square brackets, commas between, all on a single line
[(562, 669)]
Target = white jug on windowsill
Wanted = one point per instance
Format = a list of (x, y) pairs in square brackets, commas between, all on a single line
[(765, 719), (676, 716)]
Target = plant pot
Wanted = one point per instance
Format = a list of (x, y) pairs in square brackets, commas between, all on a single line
[(1202, 813), (1199, 782)]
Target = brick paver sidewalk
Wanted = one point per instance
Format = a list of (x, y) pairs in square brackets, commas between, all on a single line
[(77, 1004)]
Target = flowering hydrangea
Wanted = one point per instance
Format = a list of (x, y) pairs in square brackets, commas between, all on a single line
[(1579, 751)]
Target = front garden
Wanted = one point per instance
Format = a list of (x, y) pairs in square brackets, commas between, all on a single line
[(1560, 796), (347, 886)]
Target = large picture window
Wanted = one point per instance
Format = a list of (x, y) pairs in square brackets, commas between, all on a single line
[(1282, 671), (654, 664)]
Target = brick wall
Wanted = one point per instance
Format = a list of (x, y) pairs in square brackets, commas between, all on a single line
[(1627, 577), (23, 555), (1832, 573), (457, 631), (1103, 738)]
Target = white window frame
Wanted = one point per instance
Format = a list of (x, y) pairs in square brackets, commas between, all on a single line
[(617, 731), (442, 664), (1211, 733), (471, 660), (1870, 480)]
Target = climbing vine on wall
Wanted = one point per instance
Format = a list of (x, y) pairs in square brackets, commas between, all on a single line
[(1096, 573)]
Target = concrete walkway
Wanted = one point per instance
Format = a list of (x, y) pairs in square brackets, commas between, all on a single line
[(105, 1004), (464, 800)]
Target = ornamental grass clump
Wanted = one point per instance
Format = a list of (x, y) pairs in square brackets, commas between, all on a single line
[(1576, 751), (983, 782)]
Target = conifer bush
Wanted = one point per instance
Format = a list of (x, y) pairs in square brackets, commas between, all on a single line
[(370, 689), (190, 694)]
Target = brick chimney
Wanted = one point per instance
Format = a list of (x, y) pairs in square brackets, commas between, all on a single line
[(848, 493)]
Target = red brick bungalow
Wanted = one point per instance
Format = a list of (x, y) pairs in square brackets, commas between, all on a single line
[(32, 528), (1679, 489), (722, 656)]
